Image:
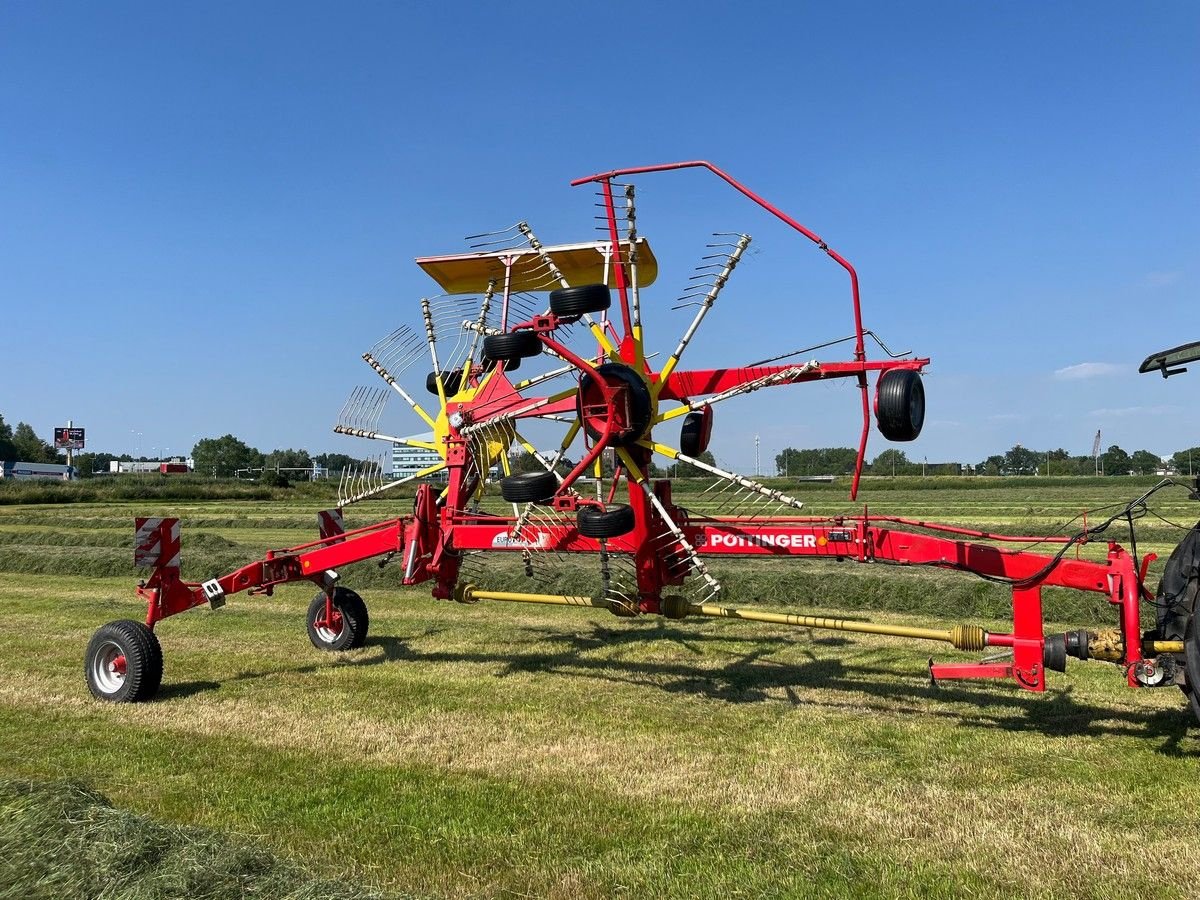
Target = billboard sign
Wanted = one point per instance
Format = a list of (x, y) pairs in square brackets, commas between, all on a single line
[(68, 438)]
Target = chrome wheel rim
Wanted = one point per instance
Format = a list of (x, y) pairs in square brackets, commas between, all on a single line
[(109, 667)]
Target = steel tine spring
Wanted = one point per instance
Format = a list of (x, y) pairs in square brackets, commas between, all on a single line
[(387, 344), (379, 404), (382, 345), (352, 413), (499, 236), (360, 409), (396, 342), (343, 412)]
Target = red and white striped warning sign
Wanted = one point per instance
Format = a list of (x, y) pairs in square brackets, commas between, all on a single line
[(329, 521), (156, 544)]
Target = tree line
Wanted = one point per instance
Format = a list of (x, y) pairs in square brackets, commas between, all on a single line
[(223, 457), (220, 457), (23, 444), (1016, 461)]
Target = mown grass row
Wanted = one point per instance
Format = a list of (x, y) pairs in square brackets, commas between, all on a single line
[(219, 536), (61, 840), (494, 750)]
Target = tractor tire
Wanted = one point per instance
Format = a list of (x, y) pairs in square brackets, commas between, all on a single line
[(347, 631), (529, 487), (900, 405), (604, 523), (1175, 602), (451, 380), (123, 662), (1191, 657), (570, 303), (693, 439), (513, 345)]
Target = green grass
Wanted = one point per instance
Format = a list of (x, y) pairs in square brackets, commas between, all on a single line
[(503, 750)]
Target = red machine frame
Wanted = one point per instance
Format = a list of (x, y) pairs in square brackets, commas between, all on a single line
[(430, 541)]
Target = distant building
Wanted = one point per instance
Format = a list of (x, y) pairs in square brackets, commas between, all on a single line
[(174, 466), (408, 461), (37, 471)]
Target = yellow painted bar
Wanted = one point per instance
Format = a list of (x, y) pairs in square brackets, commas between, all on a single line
[(429, 420), (529, 448), (604, 342), (424, 445), (667, 369), (661, 449), (572, 433), (469, 594), (630, 465), (562, 395), (1162, 647), (964, 637), (671, 414), (428, 470)]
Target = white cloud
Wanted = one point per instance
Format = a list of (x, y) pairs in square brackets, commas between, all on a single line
[(1121, 411), (1090, 370)]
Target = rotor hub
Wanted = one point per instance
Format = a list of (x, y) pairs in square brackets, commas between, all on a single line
[(618, 403)]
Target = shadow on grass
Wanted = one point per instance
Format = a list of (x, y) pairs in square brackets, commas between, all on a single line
[(750, 675)]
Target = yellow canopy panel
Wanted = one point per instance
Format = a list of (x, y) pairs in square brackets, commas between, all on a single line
[(469, 273)]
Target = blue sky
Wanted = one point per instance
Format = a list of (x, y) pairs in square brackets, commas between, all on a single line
[(210, 210)]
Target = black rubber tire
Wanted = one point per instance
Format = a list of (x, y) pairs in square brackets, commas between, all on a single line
[(570, 303), (514, 345), (452, 381), (143, 662), (354, 621), (1175, 602), (691, 435), (900, 405), (529, 487), (1191, 657), (613, 522)]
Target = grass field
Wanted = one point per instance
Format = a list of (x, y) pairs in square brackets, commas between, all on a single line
[(505, 750)]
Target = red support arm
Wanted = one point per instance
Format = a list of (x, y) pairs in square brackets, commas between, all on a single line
[(698, 382)]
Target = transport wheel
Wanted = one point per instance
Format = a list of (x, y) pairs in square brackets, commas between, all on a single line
[(514, 345), (572, 302), (452, 381), (604, 523), (123, 662), (345, 629), (529, 487), (694, 434), (900, 405)]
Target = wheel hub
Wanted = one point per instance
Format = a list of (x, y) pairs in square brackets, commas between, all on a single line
[(627, 418), (329, 628)]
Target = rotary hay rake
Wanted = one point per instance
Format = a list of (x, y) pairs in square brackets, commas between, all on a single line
[(615, 400)]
